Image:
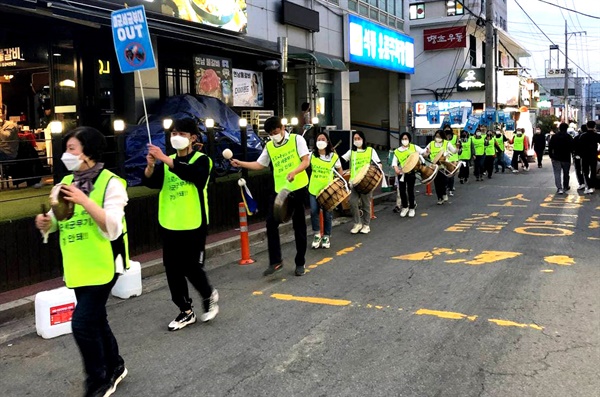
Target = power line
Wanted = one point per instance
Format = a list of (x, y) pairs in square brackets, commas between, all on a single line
[(569, 9)]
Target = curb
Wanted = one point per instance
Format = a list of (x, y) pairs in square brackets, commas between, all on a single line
[(25, 306)]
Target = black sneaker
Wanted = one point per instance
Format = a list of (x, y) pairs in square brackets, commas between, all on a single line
[(118, 375), (300, 271), (182, 320), (102, 390), (396, 209), (272, 269)]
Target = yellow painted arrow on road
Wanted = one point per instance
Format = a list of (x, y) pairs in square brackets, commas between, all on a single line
[(479, 259)]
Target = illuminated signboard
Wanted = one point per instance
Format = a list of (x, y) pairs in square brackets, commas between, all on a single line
[(471, 80), (373, 45)]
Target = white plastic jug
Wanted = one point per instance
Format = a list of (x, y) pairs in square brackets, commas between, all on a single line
[(53, 312), (129, 283)]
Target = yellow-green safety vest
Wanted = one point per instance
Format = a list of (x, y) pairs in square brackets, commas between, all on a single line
[(322, 173), (402, 156), (285, 159), (358, 160), (466, 149), (500, 142), (479, 145), (88, 256), (453, 156), (179, 201), (490, 150), (518, 143), (434, 150)]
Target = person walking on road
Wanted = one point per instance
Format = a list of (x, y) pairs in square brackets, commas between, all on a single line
[(452, 158), (490, 153), (94, 248), (520, 148), (479, 149), (466, 154), (500, 147), (539, 145), (183, 217), (323, 161), (290, 157), (588, 149), (406, 181), (433, 148), (359, 156), (560, 149), (577, 158)]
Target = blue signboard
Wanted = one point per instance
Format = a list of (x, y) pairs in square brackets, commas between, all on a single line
[(472, 124), (433, 114), (380, 47), (132, 39)]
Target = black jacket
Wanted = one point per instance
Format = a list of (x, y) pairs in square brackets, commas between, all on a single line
[(560, 147), (587, 144), (539, 142)]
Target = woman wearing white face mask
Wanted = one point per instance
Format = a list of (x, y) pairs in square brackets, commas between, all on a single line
[(323, 160), (433, 148), (183, 216), (405, 196), (359, 156), (94, 250)]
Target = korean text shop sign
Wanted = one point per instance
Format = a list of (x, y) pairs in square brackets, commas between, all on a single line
[(374, 45), (445, 38)]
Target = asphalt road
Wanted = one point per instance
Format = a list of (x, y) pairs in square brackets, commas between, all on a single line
[(493, 294)]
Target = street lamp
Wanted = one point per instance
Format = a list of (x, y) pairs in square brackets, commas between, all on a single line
[(119, 127), (244, 142), (284, 121), (56, 129), (210, 125), (167, 123)]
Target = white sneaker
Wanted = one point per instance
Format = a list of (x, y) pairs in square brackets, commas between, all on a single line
[(515, 171), (588, 191), (182, 320), (411, 213), (403, 212), (581, 187), (451, 193), (559, 191), (316, 241), (211, 309), (445, 197), (356, 228), (365, 229)]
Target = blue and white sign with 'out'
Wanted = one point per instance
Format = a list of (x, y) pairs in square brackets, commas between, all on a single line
[(132, 39), (377, 46)]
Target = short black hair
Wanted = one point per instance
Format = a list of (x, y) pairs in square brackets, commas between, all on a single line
[(186, 124), (304, 107), (439, 133), (272, 123), (406, 134), (92, 141), (583, 128), (591, 124), (563, 127)]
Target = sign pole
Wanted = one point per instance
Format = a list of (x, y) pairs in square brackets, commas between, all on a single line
[(145, 110)]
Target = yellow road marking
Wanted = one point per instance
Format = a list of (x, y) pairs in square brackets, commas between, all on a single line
[(255, 293), (492, 256), (347, 250), (417, 256), (479, 259), (319, 263), (508, 323), (562, 260), (547, 271), (311, 299), (424, 214), (441, 314), (558, 231)]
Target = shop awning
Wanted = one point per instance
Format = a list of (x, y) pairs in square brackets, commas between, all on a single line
[(320, 60)]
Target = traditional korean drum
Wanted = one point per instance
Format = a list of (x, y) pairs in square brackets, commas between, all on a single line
[(367, 179), (333, 194), (282, 211), (62, 209)]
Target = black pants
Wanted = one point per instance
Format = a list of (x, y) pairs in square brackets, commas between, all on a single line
[(478, 169), (578, 170), (96, 342), (407, 190), (183, 257), (515, 159), (489, 166), (589, 166), (463, 173), (296, 201), (539, 155), (440, 182)]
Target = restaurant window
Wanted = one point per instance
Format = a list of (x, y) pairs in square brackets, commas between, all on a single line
[(65, 81), (416, 11), (473, 50), (454, 7), (177, 81)]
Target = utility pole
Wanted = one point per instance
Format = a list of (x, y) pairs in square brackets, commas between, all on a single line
[(490, 50), (566, 92)]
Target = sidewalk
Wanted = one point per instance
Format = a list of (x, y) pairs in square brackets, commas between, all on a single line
[(20, 302)]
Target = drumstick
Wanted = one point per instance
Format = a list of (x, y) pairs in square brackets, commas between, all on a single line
[(44, 234)]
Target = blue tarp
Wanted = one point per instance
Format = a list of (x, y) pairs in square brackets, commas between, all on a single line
[(199, 107)]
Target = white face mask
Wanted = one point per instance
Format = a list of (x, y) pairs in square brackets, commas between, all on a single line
[(321, 145), (405, 142), (438, 139), (179, 142), (277, 138), (478, 134), (358, 143), (72, 162)]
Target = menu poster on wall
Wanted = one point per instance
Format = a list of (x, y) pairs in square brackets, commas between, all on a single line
[(213, 77), (248, 88)]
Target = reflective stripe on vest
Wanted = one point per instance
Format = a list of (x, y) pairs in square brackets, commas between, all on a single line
[(500, 142), (466, 149), (453, 156), (285, 158), (518, 143), (479, 146), (402, 156), (434, 150), (322, 173), (358, 160), (179, 206), (88, 257)]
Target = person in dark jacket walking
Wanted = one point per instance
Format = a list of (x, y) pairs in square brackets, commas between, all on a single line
[(560, 148), (577, 158), (539, 145), (587, 147)]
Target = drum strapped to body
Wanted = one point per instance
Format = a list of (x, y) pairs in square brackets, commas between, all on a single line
[(282, 210), (62, 209), (333, 194), (367, 179), (450, 168)]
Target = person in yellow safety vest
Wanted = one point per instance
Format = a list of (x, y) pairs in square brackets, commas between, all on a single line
[(520, 147), (357, 157), (453, 139), (500, 147), (479, 151), (94, 250), (406, 181), (433, 148), (466, 155), (290, 158), (490, 153), (183, 217), (323, 161)]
